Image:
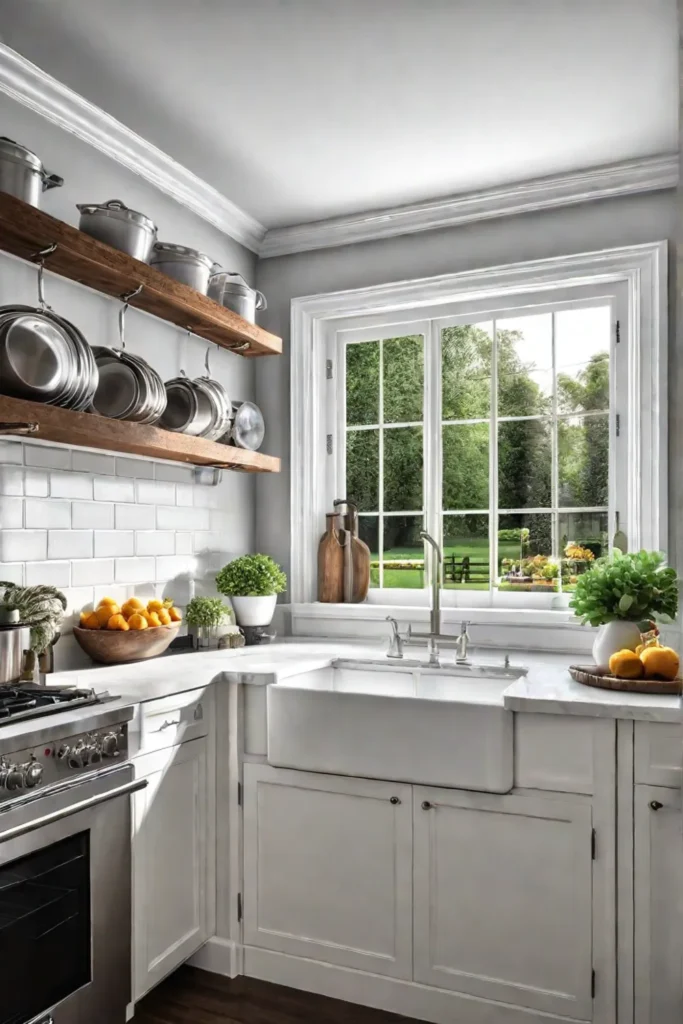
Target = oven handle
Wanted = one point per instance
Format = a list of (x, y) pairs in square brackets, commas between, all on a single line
[(82, 805)]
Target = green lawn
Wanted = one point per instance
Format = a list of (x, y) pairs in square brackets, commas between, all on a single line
[(476, 548)]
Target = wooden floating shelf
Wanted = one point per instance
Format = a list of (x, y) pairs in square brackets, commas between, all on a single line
[(89, 431), (24, 231)]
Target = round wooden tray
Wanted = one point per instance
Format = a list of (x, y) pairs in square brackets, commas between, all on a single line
[(591, 675)]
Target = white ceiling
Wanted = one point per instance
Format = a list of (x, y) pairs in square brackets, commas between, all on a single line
[(299, 110)]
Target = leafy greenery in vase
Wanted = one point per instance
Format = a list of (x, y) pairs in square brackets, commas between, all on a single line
[(634, 587), (42, 608), (251, 576)]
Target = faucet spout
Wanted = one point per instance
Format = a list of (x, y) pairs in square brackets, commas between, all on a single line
[(435, 612)]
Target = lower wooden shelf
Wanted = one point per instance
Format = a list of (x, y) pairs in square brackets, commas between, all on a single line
[(81, 429)]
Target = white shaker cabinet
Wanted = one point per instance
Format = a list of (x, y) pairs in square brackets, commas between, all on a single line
[(503, 898), (327, 868), (658, 887), (170, 857)]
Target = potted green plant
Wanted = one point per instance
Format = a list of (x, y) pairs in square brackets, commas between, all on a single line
[(621, 592), (204, 615), (252, 582)]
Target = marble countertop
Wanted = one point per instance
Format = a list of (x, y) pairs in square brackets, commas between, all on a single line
[(547, 688)]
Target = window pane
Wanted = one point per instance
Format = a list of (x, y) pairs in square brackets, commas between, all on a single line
[(524, 464), (525, 394), (525, 343), (403, 379), (466, 552), (403, 552), (525, 546), (362, 383), (403, 469), (582, 339), (466, 371), (583, 538), (368, 530), (583, 455), (466, 466), (362, 469)]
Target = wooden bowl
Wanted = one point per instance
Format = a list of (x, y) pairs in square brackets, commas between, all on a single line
[(114, 646)]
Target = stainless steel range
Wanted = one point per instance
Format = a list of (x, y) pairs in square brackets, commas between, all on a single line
[(65, 856)]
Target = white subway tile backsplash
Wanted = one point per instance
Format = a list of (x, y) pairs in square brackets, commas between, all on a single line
[(92, 571), (23, 545), (134, 570), (135, 468), (36, 483), (47, 458), (154, 492), (12, 514), (92, 515), (182, 518), (50, 574), (133, 517), (70, 544), (11, 452), (77, 599), (13, 572), (175, 565), (71, 485), (47, 514), (183, 544), (113, 489), (220, 521), (93, 462), (173, 473), (114, 542), (154, 542), (184, 495), (11, 480)]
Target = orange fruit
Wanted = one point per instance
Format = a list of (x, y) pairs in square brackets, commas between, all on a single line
[(105, 613), (155, 605), (662, 662), (164, 617), (91, 620), (176, 614), (108, 600), (153, 619), (137, 621), (117, 622)]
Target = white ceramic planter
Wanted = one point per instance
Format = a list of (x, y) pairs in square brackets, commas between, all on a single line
[(612, 637), (254, 611)]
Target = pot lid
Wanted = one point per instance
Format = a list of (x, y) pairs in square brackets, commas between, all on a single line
[(232, 283), (248, 429), (118, 211), (11, 150), (168, 252)]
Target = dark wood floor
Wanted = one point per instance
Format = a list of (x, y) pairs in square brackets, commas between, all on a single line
[(196, 997)]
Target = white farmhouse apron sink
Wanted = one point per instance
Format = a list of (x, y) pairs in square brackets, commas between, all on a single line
[(415, 724)]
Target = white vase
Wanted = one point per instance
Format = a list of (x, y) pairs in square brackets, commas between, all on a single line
[(612, 637), (254, 611)]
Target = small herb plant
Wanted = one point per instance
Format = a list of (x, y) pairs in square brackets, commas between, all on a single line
[(251, 576), (207, 611), (634, 587)]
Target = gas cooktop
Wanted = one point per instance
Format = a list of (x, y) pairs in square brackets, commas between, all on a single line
[(31, 701)]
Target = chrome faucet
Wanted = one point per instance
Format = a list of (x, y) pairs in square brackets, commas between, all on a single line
[(396, 641), (435, 611), (462, 644)]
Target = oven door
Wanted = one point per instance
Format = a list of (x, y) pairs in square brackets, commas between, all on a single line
[(65, 901)]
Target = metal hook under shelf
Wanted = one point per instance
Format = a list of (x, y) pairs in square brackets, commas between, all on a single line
[(125, 299)]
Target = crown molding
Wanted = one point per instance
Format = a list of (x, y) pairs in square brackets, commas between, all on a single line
[(648, 174), (34, 88)]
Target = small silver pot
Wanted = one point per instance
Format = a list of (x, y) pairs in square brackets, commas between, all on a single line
[(114, 223), (22, 173), (233, 292), (14, 640), (189, 266)]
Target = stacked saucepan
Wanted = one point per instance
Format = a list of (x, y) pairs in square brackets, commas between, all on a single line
[(44, 357)]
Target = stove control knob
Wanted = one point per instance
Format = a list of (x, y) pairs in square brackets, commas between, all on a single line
[(91, 753), (110, 745), (33, 774), (14, 778), (4, 771)]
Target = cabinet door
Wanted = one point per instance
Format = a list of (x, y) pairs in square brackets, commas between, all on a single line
[(169, 861), (503, 894), (327, 868), (658, 888)]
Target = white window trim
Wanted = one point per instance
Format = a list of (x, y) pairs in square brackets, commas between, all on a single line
[(642, 268)]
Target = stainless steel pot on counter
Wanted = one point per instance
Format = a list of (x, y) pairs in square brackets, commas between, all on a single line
[(22, 173), (14, 640), (233, 292), (114, 223), (189, 266)]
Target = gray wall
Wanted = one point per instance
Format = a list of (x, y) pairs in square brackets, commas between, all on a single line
[(600, 225)]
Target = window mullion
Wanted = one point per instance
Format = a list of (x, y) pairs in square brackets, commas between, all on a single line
[(431, 417), (493, 467), (554, 456), (380, 494)]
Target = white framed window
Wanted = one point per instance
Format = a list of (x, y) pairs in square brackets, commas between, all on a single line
[(508, 411)]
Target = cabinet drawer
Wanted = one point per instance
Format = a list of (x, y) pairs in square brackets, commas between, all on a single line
[(658, 753), (172, 720)]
